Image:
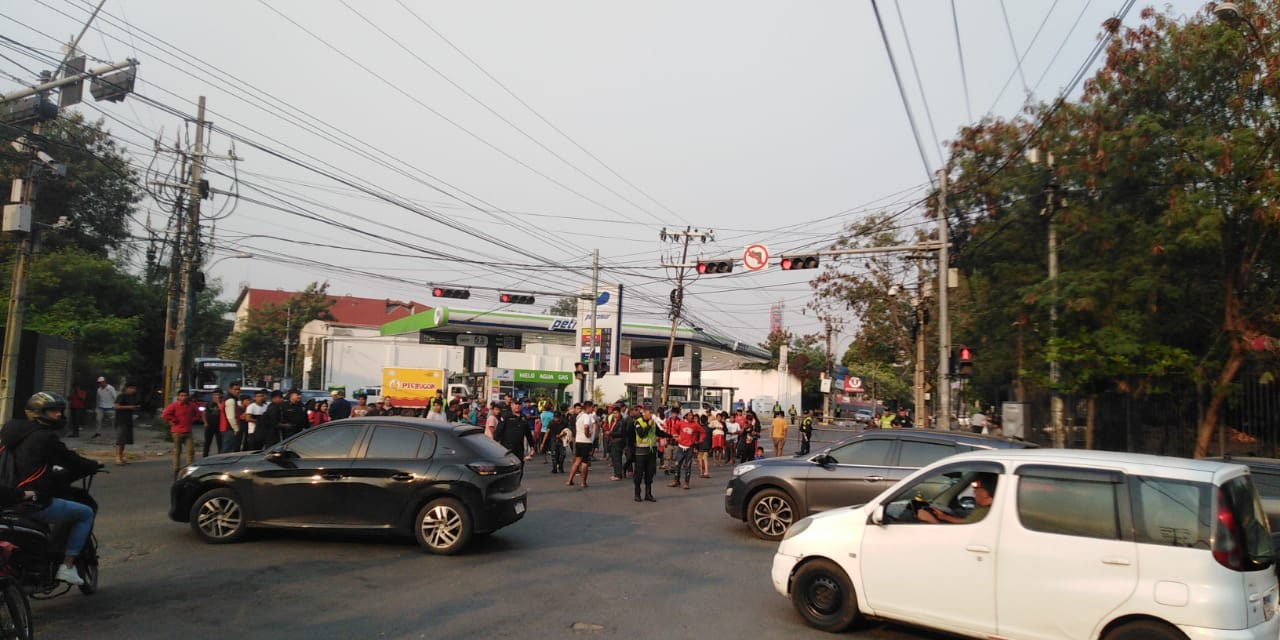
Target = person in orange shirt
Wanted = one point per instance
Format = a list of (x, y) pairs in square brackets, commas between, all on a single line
[(779, 433)]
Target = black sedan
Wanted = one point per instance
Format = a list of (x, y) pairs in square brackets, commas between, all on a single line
[(444, 483), (771, 494)]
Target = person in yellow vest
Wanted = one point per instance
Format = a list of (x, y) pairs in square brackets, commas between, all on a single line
[(642, 434), (886, 419), (806, 432)]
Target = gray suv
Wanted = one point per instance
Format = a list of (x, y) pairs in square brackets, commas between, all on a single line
[(771, 494)]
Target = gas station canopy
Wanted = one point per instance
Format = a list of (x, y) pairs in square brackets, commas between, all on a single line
[(464, 327)]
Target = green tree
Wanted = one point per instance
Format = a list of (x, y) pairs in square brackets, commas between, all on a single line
[(260, 344), (97, 195), (566, 307), (1165, 171)]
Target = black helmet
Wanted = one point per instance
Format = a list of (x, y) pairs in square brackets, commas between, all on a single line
[(45, 401)]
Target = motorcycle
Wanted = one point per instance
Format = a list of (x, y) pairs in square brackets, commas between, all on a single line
[(32, 550)]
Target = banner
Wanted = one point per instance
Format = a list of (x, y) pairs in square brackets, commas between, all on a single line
[(411, 387)]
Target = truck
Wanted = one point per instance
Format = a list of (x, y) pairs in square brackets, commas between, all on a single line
[(415, 388)]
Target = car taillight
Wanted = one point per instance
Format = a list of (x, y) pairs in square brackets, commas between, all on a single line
[(1228, 548), (484, 468)]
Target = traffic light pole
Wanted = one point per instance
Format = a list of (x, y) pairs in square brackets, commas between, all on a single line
[(595, 296), (944, 317)]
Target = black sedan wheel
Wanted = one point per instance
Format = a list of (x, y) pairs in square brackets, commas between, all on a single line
[(823, 595), (443, 526), (770, 513), (218, 517)]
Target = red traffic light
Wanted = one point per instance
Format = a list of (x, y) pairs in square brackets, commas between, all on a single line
[(441, 292), (515, 298), (966, 355), (791, 263), (715, 266)]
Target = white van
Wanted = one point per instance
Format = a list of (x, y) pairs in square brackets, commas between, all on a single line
[(1038, 543)]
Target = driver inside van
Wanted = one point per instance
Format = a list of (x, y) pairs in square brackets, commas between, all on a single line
[(984, 489)]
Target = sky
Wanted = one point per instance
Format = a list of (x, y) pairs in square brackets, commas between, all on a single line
[(494, 145)]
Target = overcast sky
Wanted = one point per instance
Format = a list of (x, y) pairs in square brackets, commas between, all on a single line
[(767, 122)]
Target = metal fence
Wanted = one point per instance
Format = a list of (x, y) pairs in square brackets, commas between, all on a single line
[(1165, 421)]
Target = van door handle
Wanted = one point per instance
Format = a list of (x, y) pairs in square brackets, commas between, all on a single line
[(1116, 560), (978, 548), (873, 478)]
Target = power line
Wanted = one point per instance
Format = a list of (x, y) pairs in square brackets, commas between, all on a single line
[(964, 75), (924, 98), (893, 64)]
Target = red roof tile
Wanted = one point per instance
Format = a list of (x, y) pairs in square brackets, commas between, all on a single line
[(367, 312)]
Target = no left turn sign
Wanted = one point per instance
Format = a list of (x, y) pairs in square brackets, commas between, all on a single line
[(755, 257)]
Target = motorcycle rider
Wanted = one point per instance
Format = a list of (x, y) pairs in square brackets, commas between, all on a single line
[(36, 448)]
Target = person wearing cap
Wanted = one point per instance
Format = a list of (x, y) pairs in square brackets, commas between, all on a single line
[(105, 409), (642, 435), (339, 408)]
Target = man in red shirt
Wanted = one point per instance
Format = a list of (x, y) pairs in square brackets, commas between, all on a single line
[(688, 434), (182, 416)]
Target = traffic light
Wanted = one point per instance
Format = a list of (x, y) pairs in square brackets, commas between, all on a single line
[(461, 294), (579, 370), (966, 361), (791, 263), (515, 298), (715, 266)]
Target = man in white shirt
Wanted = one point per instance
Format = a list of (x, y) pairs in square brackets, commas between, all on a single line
[(583, 439), (105, 409), (231, 408), (253, 413)]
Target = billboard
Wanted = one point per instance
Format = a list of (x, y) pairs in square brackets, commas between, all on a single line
[(608, 318), (411, 387)]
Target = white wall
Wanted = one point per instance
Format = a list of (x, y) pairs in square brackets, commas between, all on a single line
[(751, 384)]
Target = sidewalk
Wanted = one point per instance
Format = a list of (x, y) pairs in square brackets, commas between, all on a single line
[(150, 440)]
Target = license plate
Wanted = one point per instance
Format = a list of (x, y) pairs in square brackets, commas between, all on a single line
[(519, 508)]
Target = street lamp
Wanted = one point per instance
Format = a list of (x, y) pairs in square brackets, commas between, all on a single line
[(1229, 12), (239, 255)]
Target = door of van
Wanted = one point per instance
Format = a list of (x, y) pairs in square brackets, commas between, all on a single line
[(1067, 556)]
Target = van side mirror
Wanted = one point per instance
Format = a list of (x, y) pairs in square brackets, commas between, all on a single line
[(877, 515)]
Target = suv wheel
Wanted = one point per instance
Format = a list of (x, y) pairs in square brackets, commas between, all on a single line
[(443, 526), (217, 516), (1145, 630), (823, 595), (770, 513)]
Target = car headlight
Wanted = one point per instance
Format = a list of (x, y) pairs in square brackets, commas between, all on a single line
[(188, 470), (744, 468), (797, 528)]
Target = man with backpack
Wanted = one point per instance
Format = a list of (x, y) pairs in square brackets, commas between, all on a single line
[(31, 452)]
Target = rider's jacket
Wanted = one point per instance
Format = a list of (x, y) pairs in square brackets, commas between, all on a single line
[(37, 450)]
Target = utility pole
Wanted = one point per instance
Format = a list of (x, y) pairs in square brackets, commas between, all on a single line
[(26, 197), (944, 321), (190, 258), (922, 411), (1056, 409), (595, 295), (285, 380), (677, 296)]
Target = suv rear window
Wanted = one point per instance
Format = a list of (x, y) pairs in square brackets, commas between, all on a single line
[(1250, 521)]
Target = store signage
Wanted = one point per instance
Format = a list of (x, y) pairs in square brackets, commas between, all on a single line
[(471, 340), (543, 377), (563, 324)]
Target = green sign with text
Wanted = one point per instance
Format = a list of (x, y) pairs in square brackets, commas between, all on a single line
[(542, 377)]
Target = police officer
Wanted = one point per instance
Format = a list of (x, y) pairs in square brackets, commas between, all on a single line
[(806, 431), (293, 416), (642, 434)]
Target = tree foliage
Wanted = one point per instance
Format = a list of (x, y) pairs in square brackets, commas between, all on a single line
[(260, 344), (566, 307), (1163, 197)]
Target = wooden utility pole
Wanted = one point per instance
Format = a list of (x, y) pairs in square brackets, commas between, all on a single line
[(944, 322), (190, 261), (677, 299), (921, 408)]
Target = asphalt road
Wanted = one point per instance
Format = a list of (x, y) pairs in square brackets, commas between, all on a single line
[(583, 562)]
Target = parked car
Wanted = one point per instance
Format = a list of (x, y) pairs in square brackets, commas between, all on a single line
[(862, 415), (1045, 544), (770, 494), (442, 483), (698, 408)]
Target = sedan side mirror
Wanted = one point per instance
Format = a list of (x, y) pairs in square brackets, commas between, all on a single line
[(877, 515), (276, 455), (824, 459)]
